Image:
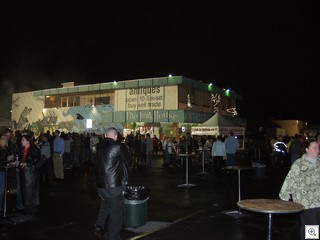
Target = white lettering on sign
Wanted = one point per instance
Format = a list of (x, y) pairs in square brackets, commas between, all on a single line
[(161, 116), (144, 90), (144, 98), (172, 117), (146, 116), (132, 116)]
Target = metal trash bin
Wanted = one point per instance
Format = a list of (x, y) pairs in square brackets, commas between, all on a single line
[(135, 206), (258, 169)]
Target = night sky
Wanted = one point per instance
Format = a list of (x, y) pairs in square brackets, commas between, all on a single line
[(266, 52)]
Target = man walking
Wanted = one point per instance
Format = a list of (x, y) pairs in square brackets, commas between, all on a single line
[(111, 176)]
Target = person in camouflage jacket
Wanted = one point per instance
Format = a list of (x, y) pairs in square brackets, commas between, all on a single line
[(302, 185)]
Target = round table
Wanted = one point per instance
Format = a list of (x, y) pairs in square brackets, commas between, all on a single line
[(270, 206), (238, 169)]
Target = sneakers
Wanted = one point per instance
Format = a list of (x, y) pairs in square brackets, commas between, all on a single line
[(98, 232)]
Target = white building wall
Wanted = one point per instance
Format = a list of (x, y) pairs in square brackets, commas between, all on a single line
[(120, 100), (171, 97), (26, 108)]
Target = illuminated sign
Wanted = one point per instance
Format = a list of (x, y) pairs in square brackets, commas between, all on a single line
[(89, 123)]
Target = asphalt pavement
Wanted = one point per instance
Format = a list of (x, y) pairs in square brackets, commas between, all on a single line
[(175, 210)]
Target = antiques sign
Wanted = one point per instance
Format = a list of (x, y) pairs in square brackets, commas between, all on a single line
[(144, 98)]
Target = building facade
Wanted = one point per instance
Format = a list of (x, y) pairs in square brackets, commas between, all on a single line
[(292, 127), (162, 106)]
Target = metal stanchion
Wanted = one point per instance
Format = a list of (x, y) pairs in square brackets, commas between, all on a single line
[(5, 217), (203, 172), (187, 184)]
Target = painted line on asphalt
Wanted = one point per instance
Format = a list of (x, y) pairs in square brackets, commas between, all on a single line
[(168, 225)]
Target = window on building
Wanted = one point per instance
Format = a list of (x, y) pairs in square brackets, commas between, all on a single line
[(74, 101), (102, 100), (61, 101), (50, 102), (64, 102)]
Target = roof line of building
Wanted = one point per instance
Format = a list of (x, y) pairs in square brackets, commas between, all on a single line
[(136, 83)]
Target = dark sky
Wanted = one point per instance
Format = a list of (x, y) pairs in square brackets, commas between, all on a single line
[(266, 52)]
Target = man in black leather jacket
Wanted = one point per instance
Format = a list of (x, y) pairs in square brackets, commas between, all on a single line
[(111, 176)]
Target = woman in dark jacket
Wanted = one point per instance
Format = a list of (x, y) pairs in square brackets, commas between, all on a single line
[(28, 157)]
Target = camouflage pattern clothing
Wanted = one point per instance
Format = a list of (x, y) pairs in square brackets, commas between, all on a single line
[(303, 183)]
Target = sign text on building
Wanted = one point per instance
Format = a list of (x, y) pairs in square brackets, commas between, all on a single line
[(144, 98)]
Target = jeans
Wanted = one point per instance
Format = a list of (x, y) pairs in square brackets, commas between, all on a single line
[(75, 156), (164, 156), (172, 159), (149, 153), (218, 162), (111, 206), (66, 160), (230, 159), (19, 196), (167, 157), (206, 155)]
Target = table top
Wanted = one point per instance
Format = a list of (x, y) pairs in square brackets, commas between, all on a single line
[(275, 206), (237, 167)]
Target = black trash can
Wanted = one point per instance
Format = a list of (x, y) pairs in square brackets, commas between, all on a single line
[(258, 169), (135, 205)]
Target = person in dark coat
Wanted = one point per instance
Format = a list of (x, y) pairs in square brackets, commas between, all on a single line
[(296, 148), (137, 150), (29, 177), (111, 176), (5, 158)]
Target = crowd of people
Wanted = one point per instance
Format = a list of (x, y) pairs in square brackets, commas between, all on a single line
[(218, 151), (111, 154), (24, 155), (33, 157), (284, 150)]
